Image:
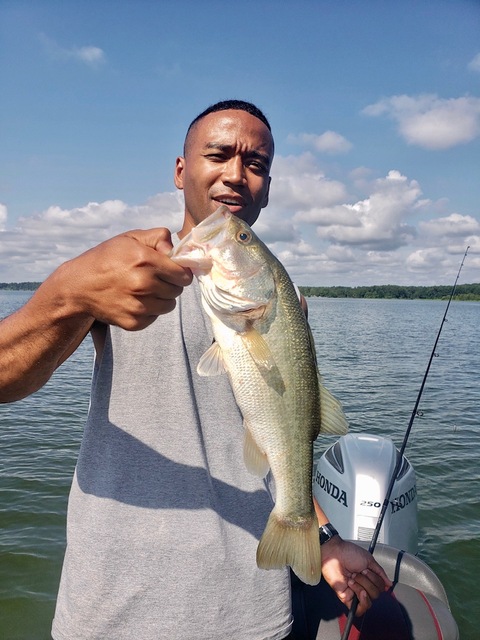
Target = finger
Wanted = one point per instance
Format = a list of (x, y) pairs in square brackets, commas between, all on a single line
[(347, 596), (170, 272), (376, 569), (154, 252), (365, 590), (363, 603), (133, 322), (139, 312), (368, 577), (158, 238)]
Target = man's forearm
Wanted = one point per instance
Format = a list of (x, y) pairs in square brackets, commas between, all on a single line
[(35, 340), (321, 516)]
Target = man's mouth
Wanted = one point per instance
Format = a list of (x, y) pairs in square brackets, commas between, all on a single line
[(234, 204)]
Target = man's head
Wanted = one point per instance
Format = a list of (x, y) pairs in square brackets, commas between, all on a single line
[(227, 157), (225, 105)]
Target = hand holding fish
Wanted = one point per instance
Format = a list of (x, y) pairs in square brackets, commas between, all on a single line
[(127, 281), (351, 570)]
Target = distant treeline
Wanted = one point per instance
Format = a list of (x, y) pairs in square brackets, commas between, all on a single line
[(392, 291), (463, 291), (20, 286)]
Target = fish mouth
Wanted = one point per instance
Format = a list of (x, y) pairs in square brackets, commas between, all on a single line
[(193, 250)]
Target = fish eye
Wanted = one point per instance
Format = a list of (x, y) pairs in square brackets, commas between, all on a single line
[(244, 237)]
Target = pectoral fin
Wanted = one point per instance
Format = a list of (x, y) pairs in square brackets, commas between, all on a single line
[(255, 460), (258, 349), (212, 362)]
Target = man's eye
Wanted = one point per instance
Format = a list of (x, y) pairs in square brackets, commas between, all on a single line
[(257, 166)]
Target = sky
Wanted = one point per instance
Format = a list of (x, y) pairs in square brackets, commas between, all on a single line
[(374, 107)]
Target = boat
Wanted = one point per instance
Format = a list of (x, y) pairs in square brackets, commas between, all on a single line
[(351, 480)]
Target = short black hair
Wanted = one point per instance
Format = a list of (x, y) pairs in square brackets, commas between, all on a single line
[(224, 105)]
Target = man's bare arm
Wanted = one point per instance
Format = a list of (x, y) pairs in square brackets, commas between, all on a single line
[(126, 281), (34, 341)]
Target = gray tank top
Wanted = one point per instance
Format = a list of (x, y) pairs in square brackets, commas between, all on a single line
[(163, 518)]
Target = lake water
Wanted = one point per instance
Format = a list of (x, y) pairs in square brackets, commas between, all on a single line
[(372, 354)]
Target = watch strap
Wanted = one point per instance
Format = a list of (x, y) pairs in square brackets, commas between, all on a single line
[(327, 531)]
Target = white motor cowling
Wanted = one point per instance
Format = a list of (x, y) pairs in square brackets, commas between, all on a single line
[(351, 481)]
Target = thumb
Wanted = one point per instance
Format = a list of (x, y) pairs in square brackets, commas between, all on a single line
[(158, 238)]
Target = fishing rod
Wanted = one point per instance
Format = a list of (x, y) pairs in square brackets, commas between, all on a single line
[(376, 533)]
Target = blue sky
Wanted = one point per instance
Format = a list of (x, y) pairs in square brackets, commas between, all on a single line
[(374, 105)]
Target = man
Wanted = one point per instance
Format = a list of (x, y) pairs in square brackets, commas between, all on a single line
[(163, 518)]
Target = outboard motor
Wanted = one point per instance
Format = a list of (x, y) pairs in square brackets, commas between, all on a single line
[(351, 481)]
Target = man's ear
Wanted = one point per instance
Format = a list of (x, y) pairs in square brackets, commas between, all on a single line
[(178, 174), (265, 198)]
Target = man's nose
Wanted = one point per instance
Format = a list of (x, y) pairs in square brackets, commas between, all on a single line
[(234, 171)]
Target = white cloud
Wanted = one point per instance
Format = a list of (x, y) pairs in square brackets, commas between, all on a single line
[(342, 240), (431, 122), (431, 259), (276, 229), (454, 225), (3, 216), (299, 185), (40, 243), (90, 55), (323, 233), (474, 64), (375, 222), (328, 142)]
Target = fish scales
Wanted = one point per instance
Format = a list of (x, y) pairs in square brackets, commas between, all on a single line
[(263, 342)]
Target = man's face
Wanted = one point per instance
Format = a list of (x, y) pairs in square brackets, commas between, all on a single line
[(227, 161)]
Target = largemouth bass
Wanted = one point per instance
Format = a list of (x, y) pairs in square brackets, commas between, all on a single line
[(263, 342)]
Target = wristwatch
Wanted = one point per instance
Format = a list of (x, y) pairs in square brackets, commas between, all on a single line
[(327, 531)]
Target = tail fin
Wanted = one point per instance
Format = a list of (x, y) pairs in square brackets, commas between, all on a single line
[(297, 546)]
